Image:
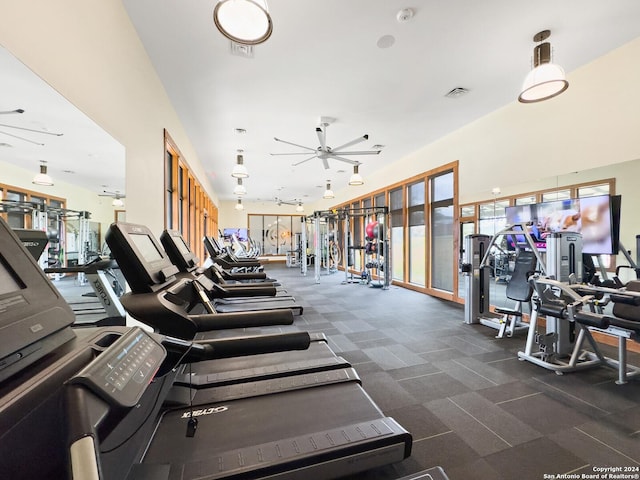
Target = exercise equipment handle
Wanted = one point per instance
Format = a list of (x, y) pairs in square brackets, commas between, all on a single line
[(260, 318), (240, 346), (245, 291)]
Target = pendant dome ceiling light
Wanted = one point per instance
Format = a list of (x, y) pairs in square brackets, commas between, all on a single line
[(356, 179), (547, 79), (239, 205), (43, 177), (240, 188), (328, 193), (243, 21), (239, 170)]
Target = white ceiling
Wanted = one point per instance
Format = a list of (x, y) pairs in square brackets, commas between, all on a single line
[(323, 60)]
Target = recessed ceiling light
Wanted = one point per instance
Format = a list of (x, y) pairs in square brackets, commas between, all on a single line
[(377, 146), (6, 145), (68, 171), (340, 171), (240, 131)]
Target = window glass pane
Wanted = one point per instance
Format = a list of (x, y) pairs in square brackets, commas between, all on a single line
[(256, 231), (416, 194), (395, 199), (593, 190), (416, 215), (366, 203), (493, 209), (528, 200), (557, 195), (417, 255), (442, 187), (379, 200), (55, 203), (284, 235), (442, 255), (397, 253), (468, 211), (38, 200), (270, 235)]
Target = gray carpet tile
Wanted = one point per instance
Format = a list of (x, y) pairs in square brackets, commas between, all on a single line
[(471, 405)]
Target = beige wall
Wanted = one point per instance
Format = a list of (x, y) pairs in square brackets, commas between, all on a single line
[(89, 52)]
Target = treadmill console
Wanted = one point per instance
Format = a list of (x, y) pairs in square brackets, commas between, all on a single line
[(120, 374)]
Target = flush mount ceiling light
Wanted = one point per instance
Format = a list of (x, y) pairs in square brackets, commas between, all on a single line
[(239, 205), (328, 193), (243, 21), (356, 179), (547, 79), (43, 178), (299, 208), (240, 189), (239, 170)]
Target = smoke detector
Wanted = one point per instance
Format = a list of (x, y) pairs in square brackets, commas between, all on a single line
[(404, 15)]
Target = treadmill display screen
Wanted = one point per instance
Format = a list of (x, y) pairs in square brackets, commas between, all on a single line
[(184, 250), (8, 280), (146, 247)]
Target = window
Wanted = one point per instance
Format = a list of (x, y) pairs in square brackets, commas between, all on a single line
[(188, 208), (492, 217), (417, 234), (442, 229), (593, 190), (556, 195), (528, 200), (274, 234), (397, 234)]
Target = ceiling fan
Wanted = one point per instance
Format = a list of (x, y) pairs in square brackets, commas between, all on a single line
[(117, 197), (20, 111), (324, 152)]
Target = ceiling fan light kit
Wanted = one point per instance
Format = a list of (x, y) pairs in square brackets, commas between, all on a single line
[(243, 21), (547, 79), (43, 177)]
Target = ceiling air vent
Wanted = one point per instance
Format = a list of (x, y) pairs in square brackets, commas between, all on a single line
[(240, 50), (457, 92)]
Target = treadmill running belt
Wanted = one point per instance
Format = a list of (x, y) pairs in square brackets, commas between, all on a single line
[(276, 433)]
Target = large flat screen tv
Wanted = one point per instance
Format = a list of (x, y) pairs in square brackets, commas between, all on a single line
[(597, 219)]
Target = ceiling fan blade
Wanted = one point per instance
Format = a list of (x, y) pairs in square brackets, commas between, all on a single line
[(342, 159), (294, 144), (305, 160), (22, 138), (32, 130), (322, 138), (295, 153), (357, 152), (17, 110), (353, 142), (325, 162)]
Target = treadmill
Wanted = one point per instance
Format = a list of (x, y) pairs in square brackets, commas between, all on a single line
[(188, 264), (93, 407), (174, 318)]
